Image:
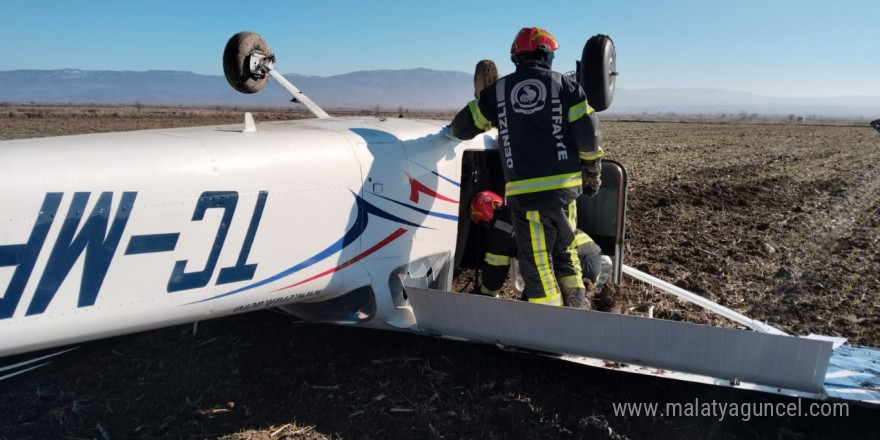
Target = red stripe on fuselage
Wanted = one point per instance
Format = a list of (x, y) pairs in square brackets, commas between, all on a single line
[(376, 247), (415, 187)]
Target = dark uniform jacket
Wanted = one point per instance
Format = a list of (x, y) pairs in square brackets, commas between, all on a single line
[(546, 132)]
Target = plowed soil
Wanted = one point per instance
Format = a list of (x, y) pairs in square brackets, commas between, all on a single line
[(778, 221)]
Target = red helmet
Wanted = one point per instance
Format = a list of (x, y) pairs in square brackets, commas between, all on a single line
[(483, 206), (532, 39)]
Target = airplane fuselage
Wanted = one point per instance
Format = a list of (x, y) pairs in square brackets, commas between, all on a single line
[(104, 234)]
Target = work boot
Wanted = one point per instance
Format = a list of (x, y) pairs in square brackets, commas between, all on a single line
[(483, 290)]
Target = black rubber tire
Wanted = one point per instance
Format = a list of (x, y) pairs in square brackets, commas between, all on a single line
[(597, 71), (236, 61), (485, 73)]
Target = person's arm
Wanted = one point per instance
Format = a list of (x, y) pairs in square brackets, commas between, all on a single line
[(584, 130), (474, 118), (469, 122)]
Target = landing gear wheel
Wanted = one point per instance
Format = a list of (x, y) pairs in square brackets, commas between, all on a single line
[(236, 61), (484, 74), (597, 72)]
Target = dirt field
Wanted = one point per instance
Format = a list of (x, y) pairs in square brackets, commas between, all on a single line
[(777, 221)]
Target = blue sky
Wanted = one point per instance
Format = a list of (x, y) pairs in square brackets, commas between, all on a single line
[(775, 48)]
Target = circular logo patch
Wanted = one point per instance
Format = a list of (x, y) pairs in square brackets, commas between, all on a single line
[(529, 96)]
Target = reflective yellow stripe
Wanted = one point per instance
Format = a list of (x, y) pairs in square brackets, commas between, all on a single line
[(573, 246), (485, 291), (543, 184), (479, 120), (542, 261), (591, 155), (576, 263), (497, 260), (582, 238), (573, 214), (555, 300), (542, 33), (572, 282), (578, 111)]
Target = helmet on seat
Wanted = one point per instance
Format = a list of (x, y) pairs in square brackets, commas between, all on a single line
[(532, 43), (483, 206)]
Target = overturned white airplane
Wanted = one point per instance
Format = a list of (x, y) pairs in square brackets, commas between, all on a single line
[(353, 221)]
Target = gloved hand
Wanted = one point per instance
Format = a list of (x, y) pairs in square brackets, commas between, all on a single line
[(447, 131), (591, 177), (591, 186)]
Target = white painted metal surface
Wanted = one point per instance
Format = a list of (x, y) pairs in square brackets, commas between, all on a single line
[(113, 233), (772, 363), (726, 354)]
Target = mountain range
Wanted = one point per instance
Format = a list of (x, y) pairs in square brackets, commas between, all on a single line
[(390, 90)]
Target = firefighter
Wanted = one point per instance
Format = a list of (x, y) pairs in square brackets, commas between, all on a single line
[(488, 209), (550, 148)]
